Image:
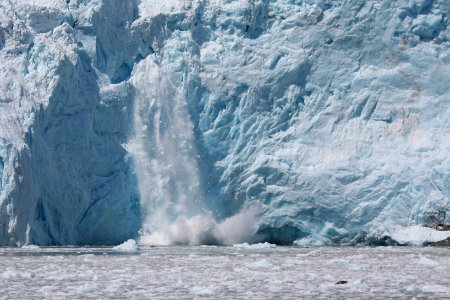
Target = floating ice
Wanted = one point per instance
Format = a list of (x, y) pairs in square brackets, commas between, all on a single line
[(14, 274), (392, 273), (264, 245), (345, 264), (260, 264), (418, 235), (30, 247), (427, 262), (436, 289), (202, 290)]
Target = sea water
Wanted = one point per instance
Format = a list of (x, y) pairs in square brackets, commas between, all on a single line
[(243, 271)]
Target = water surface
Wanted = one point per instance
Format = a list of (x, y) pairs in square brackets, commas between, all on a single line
[(225, 272)]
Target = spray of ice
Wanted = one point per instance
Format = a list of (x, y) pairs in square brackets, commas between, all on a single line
[(204, 230), (166, 164)]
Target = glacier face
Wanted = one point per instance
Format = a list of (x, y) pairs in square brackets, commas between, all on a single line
[(333, 116), (66, 176)]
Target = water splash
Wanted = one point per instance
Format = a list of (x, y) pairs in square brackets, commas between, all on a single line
[(204, 230)]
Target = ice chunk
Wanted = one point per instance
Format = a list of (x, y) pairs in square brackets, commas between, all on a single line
[(151, 8), (264, 245), (427, 262), (31, 247), (202, 290), (44, 19), (445, 290), (345, 264), (418, 235), (260, 264), (427, 26), (14, 274)]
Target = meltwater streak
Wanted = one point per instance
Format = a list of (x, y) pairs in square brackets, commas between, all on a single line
[(166, 165)]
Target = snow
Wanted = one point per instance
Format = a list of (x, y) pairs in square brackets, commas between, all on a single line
[(129, 118)]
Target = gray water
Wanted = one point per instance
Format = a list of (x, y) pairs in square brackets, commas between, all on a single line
[(258, 272)]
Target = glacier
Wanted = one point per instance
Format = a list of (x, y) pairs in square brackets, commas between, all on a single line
[(121, 119)]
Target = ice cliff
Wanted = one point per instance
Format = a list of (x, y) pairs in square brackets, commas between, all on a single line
[(332, 117)]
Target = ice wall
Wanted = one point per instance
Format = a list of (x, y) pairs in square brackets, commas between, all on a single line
[(333, 116), (67, 177)]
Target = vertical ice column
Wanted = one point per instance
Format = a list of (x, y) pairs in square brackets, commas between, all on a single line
[(163, 147)]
